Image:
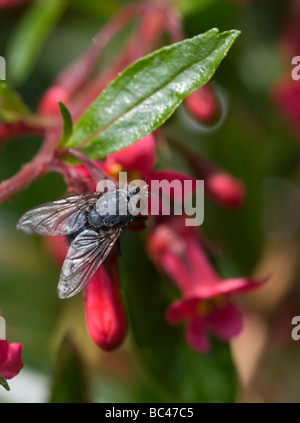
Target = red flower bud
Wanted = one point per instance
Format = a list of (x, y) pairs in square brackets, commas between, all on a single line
[(203, 105), (225, 189), (105, 315)]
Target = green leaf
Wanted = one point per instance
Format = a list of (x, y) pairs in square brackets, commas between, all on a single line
[(12, 108), (69, 383), (68, 123), (146, 94), (181, 374), (4, 383), (30, 36)]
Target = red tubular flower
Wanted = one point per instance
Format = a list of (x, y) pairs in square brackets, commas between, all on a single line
[(205, 303), (105, 315), (10, 359)]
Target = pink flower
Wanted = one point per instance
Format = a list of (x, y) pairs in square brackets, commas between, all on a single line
[(10, 359), (205, 304)]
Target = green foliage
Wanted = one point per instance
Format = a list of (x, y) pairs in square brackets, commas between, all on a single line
[(67, 123), (69, 382), (146, 94), (30, 36), (12, 108)]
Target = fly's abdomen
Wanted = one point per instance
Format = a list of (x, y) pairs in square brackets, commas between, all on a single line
[(71, 237), (79, 222), (95, 220)]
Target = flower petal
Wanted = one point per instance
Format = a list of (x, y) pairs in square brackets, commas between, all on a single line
[(139, 156), (196, 335), (13, 363), (178, 251), (236, 286), (180, 310), (226, 321)]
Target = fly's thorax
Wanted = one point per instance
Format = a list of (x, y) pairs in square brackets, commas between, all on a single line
[(113, 203), (117, 207), (111, 210)]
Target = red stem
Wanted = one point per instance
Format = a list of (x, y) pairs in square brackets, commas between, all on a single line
[(33, 170), (96, 172), (10, 130), (72, 178)]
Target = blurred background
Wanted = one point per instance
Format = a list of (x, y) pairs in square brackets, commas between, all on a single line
[(256, 139)]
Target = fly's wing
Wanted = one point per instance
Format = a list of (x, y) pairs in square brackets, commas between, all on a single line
[(86, 253), (58, 218)]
